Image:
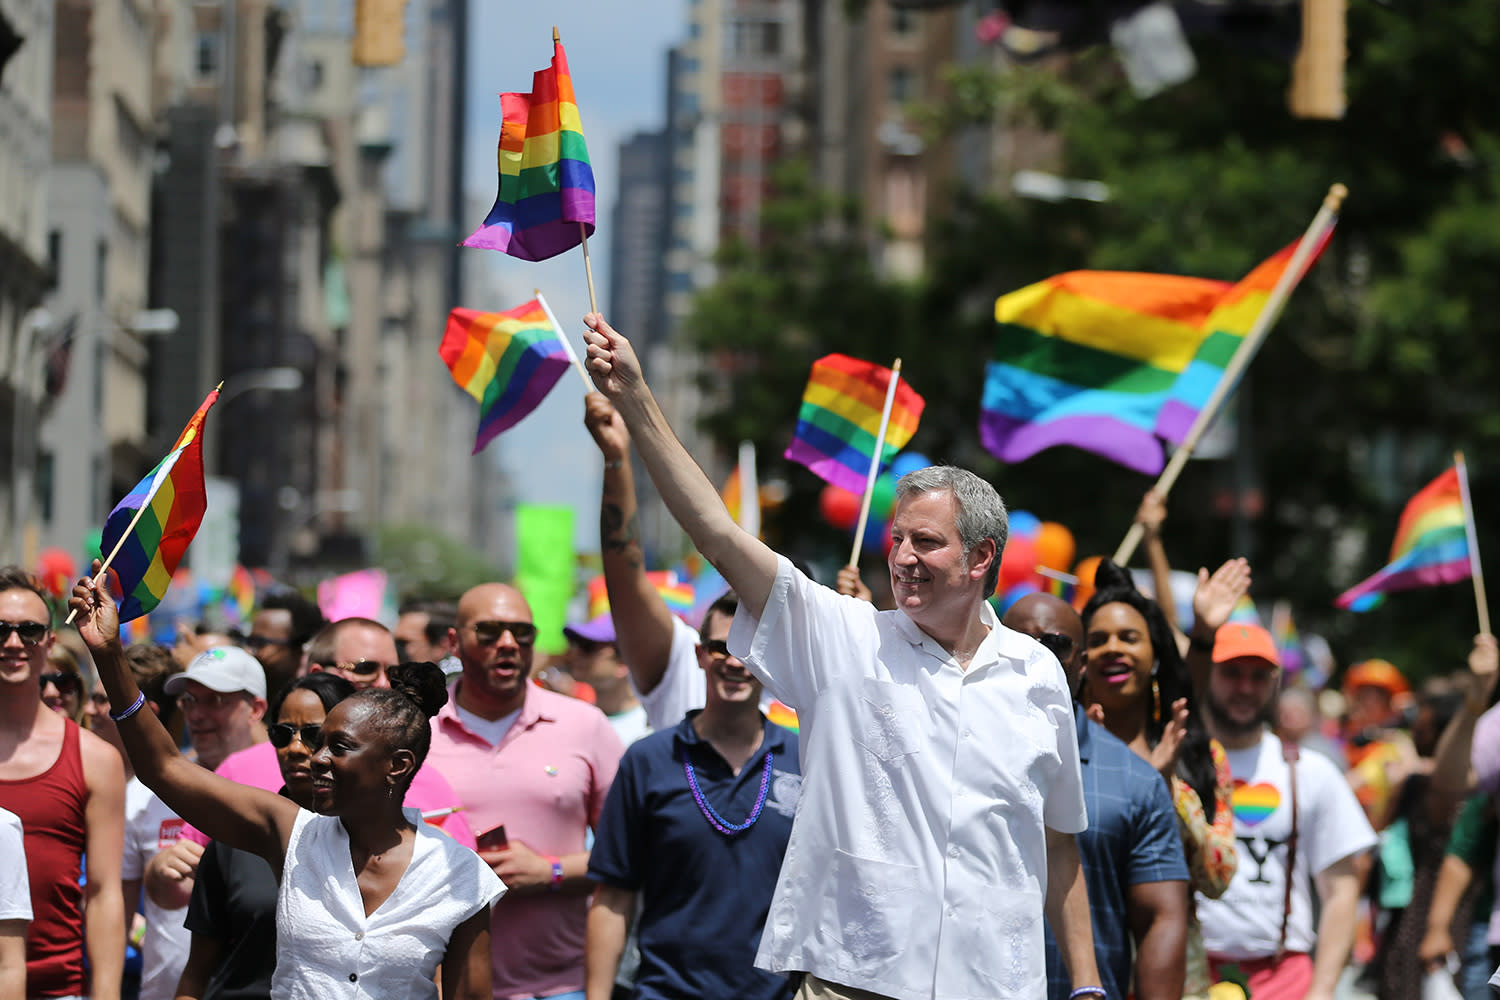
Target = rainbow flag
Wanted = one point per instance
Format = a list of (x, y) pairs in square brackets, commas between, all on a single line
[(677, 593), (239, 596), (840, 418), (1431, 546), (172, 501), (1087, 359), (1227, 325), (508, 361), (546, 197), (783, 715)]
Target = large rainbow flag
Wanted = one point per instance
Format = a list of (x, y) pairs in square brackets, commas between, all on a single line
[(1226, 327), (171, 500), (1087, 359), (546, 182), (840, 418), (1113, 361), (508, 361), (1431, 546)]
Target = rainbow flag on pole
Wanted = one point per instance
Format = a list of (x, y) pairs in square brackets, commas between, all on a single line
[(546, 182), (840, 418), (1431, 546), (508, 361), (1087, 359), (1226, 327), (170, 501)]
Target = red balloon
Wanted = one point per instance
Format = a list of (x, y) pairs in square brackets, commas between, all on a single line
[(1017, 562), (839, 507), (57, 570)]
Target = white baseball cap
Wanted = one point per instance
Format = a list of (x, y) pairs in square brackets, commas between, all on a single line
[(223, 669)]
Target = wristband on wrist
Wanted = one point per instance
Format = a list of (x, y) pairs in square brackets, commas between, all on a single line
[(1088, 991), (135, 706), (617, 463), (557, 872)]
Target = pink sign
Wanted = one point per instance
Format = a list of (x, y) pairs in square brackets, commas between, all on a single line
[(360, 594)]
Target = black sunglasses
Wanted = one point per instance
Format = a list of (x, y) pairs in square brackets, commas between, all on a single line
[(716, 648), (64, 682), (1059, 645), (487, 632), (31, 633), (281, 735)]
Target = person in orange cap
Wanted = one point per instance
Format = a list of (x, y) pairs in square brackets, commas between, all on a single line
[(1297, 825), (1375, 692)]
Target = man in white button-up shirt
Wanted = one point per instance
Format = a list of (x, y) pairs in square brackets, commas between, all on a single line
[(942, 786)]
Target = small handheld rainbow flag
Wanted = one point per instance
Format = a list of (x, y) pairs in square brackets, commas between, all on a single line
[(546, 182), (508, 361), (1431, 546), (840, 419), (148, 531)]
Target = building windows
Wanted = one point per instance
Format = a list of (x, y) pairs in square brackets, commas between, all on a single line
[(752, 39), (54, 259), (901, 85), (903, 21), (206, 55), (101, 273)]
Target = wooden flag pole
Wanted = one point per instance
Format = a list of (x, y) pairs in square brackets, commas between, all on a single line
[(1243, 355), (583, 232), (129, 528), (864, 506), (1474, 568), (562, 335)]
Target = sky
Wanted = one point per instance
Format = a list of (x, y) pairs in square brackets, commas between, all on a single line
[(617, 53)]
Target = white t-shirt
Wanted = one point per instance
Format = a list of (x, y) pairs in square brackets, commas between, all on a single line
[(917, 868), (1245, 922), (150, 827), (15, 889), (631, 724), (325, 945), (492, 731)]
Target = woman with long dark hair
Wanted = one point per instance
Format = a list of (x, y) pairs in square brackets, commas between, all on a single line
[(1138, 686), (367, 891)]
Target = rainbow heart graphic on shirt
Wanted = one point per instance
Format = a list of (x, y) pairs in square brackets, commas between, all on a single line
[(1253, 804)]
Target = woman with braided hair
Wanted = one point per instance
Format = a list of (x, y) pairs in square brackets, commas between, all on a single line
[(367, 889)]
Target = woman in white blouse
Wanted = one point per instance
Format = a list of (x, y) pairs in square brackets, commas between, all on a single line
[(372, 901)]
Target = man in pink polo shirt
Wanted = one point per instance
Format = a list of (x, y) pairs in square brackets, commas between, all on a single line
[(531, 768)]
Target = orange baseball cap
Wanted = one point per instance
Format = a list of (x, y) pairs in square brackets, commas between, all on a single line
[(1235, 640), (1377, 674)]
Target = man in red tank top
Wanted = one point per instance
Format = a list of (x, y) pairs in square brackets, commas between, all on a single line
[(68, 787)]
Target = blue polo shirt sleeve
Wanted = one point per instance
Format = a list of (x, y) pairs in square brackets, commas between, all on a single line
[(1156, 855), (620, 852)]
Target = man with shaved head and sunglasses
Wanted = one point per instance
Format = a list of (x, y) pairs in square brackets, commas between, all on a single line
[(68, 788), (531, 768)]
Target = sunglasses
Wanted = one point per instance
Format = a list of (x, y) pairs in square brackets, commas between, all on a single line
[(253, 641), (487, 632), (281, 735), (31, 633), (364, 668), (1059, 645), (717, 649), (64, 682)]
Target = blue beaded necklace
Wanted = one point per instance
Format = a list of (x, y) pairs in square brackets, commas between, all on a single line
[(711, 814)]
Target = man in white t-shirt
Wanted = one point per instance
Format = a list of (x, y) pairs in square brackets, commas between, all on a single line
[(15, 906), (942, 789), (1262, 924)]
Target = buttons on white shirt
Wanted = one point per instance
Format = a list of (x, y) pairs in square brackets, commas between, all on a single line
[(359, 935), (952, 852)]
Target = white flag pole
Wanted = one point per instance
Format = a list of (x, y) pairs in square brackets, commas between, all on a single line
[(864, 506)]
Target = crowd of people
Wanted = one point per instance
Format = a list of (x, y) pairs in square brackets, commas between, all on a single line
[(1059, 802)]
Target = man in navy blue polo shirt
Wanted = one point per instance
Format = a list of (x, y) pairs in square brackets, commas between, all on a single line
[(694, 829), (1131, 852)]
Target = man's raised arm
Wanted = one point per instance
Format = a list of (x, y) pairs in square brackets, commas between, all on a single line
[(643, 623), (746, 563)]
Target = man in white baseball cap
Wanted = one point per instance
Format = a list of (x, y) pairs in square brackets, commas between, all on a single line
[(222, 695)]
